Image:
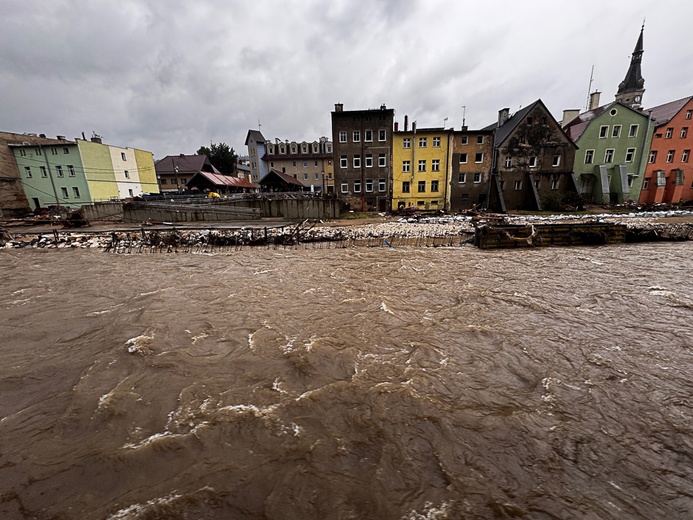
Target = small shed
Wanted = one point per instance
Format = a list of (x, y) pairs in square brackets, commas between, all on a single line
[(220, 183), (276, 181)]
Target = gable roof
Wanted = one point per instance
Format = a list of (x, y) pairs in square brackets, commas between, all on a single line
[(662, 114), (185, 164), (577, 126), (283, 176), (256, 135)]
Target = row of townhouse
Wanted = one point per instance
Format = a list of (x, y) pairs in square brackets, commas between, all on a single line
[(528, 160), (310, 163), (41, 172)]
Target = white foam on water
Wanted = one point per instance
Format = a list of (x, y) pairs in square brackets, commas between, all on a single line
[(384, 308), (430, 512)]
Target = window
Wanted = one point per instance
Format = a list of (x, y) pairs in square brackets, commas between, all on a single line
[(434, 186), (369, 160), (369, 185), (422, 165), (661, 178), (463, 158), (630, 180), (44, 173), (688, 114), (345, 187), (317, 176), (465, 139), (556, 161), (38, 151), (435, 165), (477, 177), (163, 181), (304, 149), (357, 186), (382, 162), (653, 157), (464, 198), (27, 171), (316, 163), (630, 154), (668, 133), (508, 162), (479, 139), (422, 186), (554, 183), (609, 155), (63, 190), (382, 186), (589, 156), (533, 161), (462, 178), (633, 132), (537, 183), (405, 166), (517, 186), (420, 203), (670, 156), (293, 149), (343, 161), (368, 137), (382, 135), (305, 164), (356, 136), (59, 170), (530, 120), (645, 184), (127, 173), (282, 148), (293, 163), (357, 161), (75, 192), (406, 142), (22, 152), (305, 176), (479, 157), (679, 177), (684, 155), (684, 132), (342, 139), (122, 154), (405, 187), (422, 142), (436, 142), (603, 131), (616, 132), (130, 193)]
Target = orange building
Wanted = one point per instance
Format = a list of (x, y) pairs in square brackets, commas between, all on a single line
[(669, 175)]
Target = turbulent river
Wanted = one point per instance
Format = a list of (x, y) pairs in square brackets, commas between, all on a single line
[(364, 383)]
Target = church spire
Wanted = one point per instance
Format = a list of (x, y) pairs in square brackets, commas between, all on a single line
[(632, 88)]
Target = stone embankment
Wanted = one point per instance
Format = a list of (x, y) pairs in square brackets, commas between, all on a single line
[(443, 231)]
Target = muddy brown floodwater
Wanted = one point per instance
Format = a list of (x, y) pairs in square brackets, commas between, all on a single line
[(357, 383)]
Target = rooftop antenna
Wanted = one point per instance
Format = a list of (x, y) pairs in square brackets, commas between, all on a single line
[(589, 87), (464, 114), (445, 120), (259, 126)]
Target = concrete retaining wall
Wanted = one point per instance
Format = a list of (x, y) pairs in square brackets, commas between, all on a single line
[(101, 210)]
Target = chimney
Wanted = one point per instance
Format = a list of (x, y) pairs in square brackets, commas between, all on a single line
[(96, 139), (338, 107), (413, 127), (182, 156), (503, 116), (569, 115), (406, 123), (594, 100), (60, 137), (42, 135), (84, 137), (396, 126)]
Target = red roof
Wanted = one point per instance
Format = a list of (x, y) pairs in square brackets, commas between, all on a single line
[(226, 180)]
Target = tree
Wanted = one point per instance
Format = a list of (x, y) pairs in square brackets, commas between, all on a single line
[(221, 156)]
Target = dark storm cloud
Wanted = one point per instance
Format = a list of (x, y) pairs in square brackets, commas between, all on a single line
[(171, 75)]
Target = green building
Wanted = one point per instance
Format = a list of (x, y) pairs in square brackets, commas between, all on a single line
[(613, 142)]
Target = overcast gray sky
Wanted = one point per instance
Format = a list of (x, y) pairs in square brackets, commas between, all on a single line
[(170, 75)]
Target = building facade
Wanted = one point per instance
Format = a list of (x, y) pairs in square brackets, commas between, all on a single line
[(255, 142), (420, 166), (669, 175), (362, 142), (74, 173), (309, 162), (533, 160), (613, 142), (470, 169)]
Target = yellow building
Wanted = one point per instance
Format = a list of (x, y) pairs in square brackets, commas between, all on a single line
[(420, 166)]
